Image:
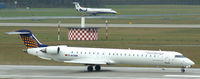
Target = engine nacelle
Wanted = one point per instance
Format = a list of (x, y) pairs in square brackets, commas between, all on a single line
[(54, 50)]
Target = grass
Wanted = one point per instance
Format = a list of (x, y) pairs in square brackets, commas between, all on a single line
[(193, 16), (156, 9), (37, 12), (193, 19), (134, 38), (122, 9)]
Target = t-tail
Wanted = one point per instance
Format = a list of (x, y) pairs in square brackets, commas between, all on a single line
[(30, 41), (77, 6)]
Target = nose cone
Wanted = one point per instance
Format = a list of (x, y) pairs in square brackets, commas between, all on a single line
[(189, 62), (114, 12)]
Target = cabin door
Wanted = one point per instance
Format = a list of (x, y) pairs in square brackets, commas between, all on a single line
[(167, 60)]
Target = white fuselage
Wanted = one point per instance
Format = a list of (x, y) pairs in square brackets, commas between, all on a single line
[(114, 56), (97, 10), (94, 11)]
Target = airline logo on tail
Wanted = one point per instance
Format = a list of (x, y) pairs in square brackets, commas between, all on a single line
[(30, 41)]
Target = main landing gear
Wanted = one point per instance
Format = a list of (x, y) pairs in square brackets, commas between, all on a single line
[(90, 68)]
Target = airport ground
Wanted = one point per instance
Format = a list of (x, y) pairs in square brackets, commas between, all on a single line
[(184, 40), (18, 65), (79, 72), (144, 14)]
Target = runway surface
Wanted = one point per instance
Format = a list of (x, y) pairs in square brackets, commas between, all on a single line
[(79, 72), (100, 16), (104, 25)]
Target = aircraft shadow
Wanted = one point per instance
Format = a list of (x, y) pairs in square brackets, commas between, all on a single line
[(85, 71)]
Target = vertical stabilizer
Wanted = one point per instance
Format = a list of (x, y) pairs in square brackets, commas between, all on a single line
[(30, 41), (77, 6)]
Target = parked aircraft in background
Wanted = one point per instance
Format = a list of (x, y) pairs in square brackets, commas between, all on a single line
[(95, 57), (93, 11)]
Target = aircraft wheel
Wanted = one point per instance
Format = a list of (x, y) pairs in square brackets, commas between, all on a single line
[(97, 67), (90, 68), (183, 69)]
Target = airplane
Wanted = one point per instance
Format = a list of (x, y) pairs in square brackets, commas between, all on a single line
[(93, 11), (93, 58)]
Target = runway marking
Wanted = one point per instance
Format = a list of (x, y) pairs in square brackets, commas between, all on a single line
[(186, 76), (72, 17)]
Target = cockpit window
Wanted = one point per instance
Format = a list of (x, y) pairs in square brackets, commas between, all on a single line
[(179, 56)]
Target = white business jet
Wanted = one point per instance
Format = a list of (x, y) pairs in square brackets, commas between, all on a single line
[(93, 11), (95, 57)]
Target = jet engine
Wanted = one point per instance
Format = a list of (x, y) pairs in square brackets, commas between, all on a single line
[(54, 50)]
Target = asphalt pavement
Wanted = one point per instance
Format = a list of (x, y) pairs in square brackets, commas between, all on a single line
[(80, 72)]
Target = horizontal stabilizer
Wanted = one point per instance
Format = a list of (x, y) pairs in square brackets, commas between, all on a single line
[(17, 32)]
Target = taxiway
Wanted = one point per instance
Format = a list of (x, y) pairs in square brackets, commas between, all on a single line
[(103, 25), (100, 16), (80, 72)]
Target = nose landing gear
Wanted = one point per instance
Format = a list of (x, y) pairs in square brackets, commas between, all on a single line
[(183, 69)]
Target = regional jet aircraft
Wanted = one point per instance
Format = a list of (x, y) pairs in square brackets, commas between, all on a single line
[(93, 11), (95, 57)]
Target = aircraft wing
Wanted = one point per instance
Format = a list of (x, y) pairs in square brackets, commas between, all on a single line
[(89, 61)]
